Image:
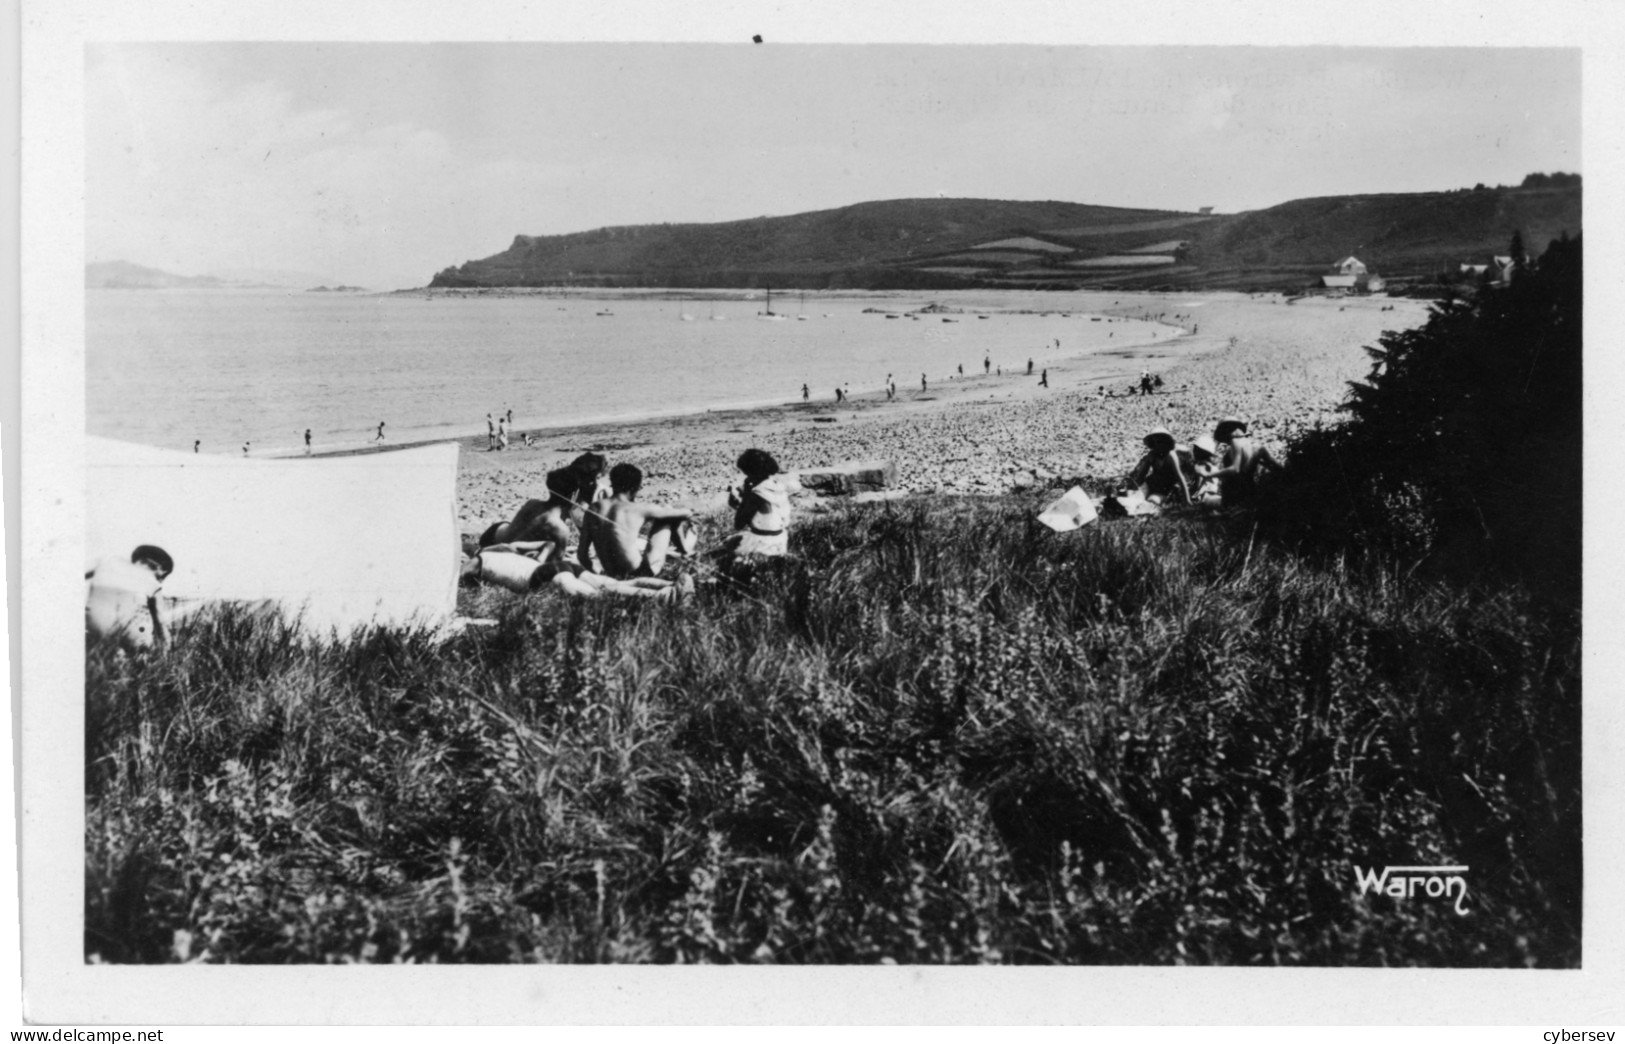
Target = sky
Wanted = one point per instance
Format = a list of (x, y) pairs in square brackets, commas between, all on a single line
[(378, 164)]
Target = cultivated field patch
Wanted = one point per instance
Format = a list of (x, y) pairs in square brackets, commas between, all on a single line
[(1025, 243), (1123, 261)]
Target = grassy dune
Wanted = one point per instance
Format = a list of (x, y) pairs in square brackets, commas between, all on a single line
[(938, 734)]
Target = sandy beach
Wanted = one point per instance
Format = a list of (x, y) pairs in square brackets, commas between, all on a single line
[(1282, 366)]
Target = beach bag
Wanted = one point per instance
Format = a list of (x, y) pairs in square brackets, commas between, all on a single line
[(1073, 510)]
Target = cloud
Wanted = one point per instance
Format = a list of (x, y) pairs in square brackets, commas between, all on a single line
[(187, 175)]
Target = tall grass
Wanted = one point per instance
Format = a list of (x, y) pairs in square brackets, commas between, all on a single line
[(939, 734)]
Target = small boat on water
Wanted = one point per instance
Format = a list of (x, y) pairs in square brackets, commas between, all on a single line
[(767, 313), (604, 312)]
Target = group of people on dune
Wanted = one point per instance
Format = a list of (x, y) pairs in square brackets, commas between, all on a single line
[(1217, 470), (625, 546)]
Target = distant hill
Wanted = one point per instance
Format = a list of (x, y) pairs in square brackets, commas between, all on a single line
[(949, 243), (124, 275)]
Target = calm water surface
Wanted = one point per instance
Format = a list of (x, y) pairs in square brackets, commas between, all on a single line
[(170, 366)]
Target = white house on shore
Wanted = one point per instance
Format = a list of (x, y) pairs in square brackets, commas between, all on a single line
[(1352, 276), (1499, 270)]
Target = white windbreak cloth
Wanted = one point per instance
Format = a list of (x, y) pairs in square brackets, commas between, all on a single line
[(341, 542)]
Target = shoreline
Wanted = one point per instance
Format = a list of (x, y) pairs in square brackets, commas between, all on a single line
[(1068, 371), (1284, 367)]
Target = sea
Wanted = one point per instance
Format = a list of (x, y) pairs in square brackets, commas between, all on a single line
[(221, 368)]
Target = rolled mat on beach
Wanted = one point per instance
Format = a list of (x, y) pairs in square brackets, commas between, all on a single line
[(339, 543), (506, 569)]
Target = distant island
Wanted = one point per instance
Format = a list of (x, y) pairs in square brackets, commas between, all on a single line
[(124, 275), (1410, 241)]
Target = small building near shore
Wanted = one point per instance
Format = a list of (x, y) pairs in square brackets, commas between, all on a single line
[(1350, 276)]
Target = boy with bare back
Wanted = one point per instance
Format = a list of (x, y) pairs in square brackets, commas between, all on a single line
[(613, 524), (546, 520)]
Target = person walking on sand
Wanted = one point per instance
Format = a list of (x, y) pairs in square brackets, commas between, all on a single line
[(510, 416), (987, 365), (613, 524), (1043, 381), (197, 445), (490, 433), (502, 434), (307, 442), (380, 436), (961, 369), (838, 395)]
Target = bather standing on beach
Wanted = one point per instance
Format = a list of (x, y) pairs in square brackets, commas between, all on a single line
[(804, 393), (612, 525), (307, 442), (490, 433), (1029, 367), (922, 382), (987, 365)]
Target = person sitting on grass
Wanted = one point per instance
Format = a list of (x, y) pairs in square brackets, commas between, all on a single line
[(123, 598), (761, 510), (1205, 462), (539, 522), (613, 525), (1243, 462), (1162, 474)]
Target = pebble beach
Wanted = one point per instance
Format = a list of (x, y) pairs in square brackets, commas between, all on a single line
[(1281, 366)]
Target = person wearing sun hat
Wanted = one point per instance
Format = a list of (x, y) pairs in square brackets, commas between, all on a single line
[(1204, 462), (1160, 474), (1243, 461)]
